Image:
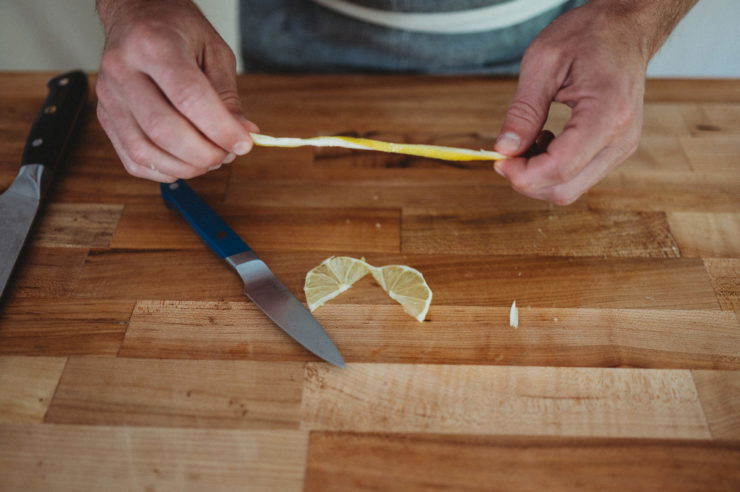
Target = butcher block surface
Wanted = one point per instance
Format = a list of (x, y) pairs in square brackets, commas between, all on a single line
[(131, 360)]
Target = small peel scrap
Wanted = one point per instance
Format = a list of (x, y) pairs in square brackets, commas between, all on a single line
[(421, 150), (336, 274), (514, 316)]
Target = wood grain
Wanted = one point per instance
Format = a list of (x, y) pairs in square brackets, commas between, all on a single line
[(77, 225), (154, 393), (725, 275), (662, 191), (26, 387), (473, 280), (719, 392), (71, 457), (552, 233), (705, 235), (452, 335), (490, 400), (46, 272), (63, 326), (622, 375), (339, 461), (266, 229)]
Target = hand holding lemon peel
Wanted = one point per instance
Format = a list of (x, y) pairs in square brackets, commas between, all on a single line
[(336, 274), (421, 150)]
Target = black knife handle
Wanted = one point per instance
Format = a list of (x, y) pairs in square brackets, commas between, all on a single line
[(55, 123)]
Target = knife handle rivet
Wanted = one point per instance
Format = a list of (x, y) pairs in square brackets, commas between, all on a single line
[(174, 186), (64, 81), (37, 142), (50, 109)]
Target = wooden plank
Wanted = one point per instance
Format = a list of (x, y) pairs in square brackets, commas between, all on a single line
[(273, 229), (26, 387), (156, 393), (472, 280), (725, 275), (719, 392), (661, 191), (339, 461), (452, 335), (701, 235), (77, 225), (63, 326), (558, 232), (123, 274), (700, 90), (492, 400), (46, 272), (713, 153), (657, 154), (379, 194), (70, 457)]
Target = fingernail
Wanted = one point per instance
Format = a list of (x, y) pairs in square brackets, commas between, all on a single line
[(241, 148), (497, 168), (252, 127), (508, 143), (213, 168), (229, 158)]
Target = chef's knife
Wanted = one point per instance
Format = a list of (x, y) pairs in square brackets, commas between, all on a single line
[(51, 132), (260, 284)]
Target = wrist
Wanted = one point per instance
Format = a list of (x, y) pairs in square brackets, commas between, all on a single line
[(650, 21)]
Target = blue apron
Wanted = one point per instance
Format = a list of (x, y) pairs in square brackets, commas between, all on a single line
[(279, 36)]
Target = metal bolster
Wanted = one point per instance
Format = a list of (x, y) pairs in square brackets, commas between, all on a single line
[(249, 266), (28, 182)]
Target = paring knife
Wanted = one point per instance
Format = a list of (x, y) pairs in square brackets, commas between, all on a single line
[(260, 284), (51, 132)]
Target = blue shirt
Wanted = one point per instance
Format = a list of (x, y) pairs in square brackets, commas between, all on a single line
[(303, 36)]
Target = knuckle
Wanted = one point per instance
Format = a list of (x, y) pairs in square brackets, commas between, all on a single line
[(566, 172), (563, 197), (522, 184), (112, 63), (188, 96), (158, 129), (524, 111), (138, 154), (150, 40)]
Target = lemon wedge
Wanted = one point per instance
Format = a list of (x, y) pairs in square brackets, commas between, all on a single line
[(332, 277), (432, 151), (407, 286), (337, 274)]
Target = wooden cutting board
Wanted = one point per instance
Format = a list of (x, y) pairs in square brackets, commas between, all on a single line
[(129, 358)]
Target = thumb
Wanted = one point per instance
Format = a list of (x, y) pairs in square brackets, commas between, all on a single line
[(528, 111)]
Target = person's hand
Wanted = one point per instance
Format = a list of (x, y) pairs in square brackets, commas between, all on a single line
[(593, 59), (167, 95)]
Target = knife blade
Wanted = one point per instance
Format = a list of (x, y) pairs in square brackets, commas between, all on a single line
[(50, 134), (260, 284)]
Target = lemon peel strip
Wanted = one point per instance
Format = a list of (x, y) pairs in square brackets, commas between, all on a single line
[(421, 150)]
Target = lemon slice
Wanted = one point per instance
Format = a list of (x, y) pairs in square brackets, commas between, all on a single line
[(433, 151), (407, 286), (332, 277)]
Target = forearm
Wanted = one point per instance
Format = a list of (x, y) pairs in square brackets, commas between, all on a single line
[(652, 20)]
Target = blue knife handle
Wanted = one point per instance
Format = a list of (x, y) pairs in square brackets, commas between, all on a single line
[(209, 226)]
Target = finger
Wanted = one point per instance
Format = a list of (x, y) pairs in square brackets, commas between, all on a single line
[(166, 127), (139, 151), (592, 173), (131, 167), (188, 89), (219, 66), (539, 81), (585, 135)]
